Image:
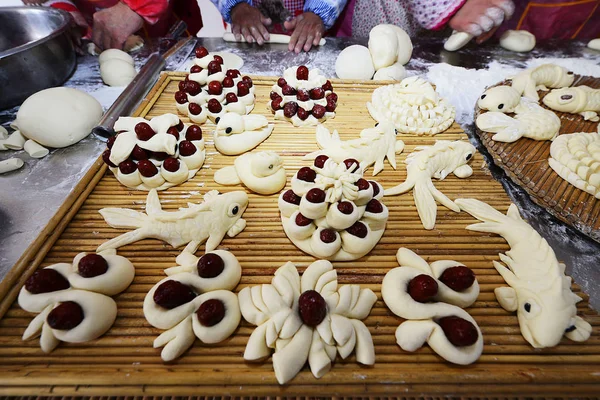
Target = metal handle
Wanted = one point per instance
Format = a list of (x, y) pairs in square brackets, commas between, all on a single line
[(131, 96)]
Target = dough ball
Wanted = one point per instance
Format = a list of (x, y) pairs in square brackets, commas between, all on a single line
[(394, 72), (521, 41), (594, 44), (58, 117), (383, 45), (457, 40), (116, 72), (405, 47), (354, 62), (112, 54)]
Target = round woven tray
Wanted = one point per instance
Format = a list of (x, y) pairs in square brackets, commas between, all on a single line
[(526, 163)]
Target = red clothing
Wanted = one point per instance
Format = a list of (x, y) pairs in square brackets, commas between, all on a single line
[(159, 15), (558, 19)]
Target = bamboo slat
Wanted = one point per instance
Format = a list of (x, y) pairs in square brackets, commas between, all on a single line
[(526, 163), (123, 361)]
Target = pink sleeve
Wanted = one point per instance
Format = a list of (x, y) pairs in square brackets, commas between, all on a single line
[(150, 10), (434, 14)]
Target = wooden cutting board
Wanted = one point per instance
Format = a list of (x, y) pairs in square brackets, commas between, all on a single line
[(526, 163), (123, 362)]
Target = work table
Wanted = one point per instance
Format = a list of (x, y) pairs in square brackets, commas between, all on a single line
[(30, 196)]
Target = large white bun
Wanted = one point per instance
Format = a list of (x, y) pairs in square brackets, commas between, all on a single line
[(58, 117)]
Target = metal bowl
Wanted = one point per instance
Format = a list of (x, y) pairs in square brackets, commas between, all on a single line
[(36, 51)]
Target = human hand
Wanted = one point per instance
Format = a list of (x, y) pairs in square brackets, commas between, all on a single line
[(308, 29), (481, 18), (250, 23), (112, 26)]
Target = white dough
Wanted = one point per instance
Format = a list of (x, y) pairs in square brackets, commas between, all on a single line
[(15, 141), (520, 41), (582, 100), (91, 294), (230, 60), (236, 134), (437, 161), (594, 44), (531, 121), (273, 308), (457, 41), (112, 54), (499, 98), (539, 291), (339, 185), (12, 164), (413, 106), (373, 147), (117, 68), (116, 72), (182, 323), (262, 172), (273, 38), (209, 222), (58, 117), (34, 149), (383, 45), (420, 326), (3, 133), (546, 76), (389, 44), (574, 157), (162, 141), (395, 72), (354, 62)]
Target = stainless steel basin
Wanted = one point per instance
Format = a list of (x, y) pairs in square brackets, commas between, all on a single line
[(36, 51)]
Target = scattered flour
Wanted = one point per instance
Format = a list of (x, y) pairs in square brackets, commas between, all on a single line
[(462, 86)]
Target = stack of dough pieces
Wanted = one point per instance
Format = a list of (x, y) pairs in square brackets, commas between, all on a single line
[(389, 49), (117, 68)]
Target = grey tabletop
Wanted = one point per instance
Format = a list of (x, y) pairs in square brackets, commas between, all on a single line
[(30, 197)]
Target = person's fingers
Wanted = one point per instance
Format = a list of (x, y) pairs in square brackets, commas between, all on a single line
[(310, 37), (247, 35), (291, 24), (301, 38), (485, 23), (265, 20), (496, 14), (471, 29), (257, 35), (235, 29), (294, 39), (482, 38), (264, 32), (507, 6), (97, 36), (317, 38)]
